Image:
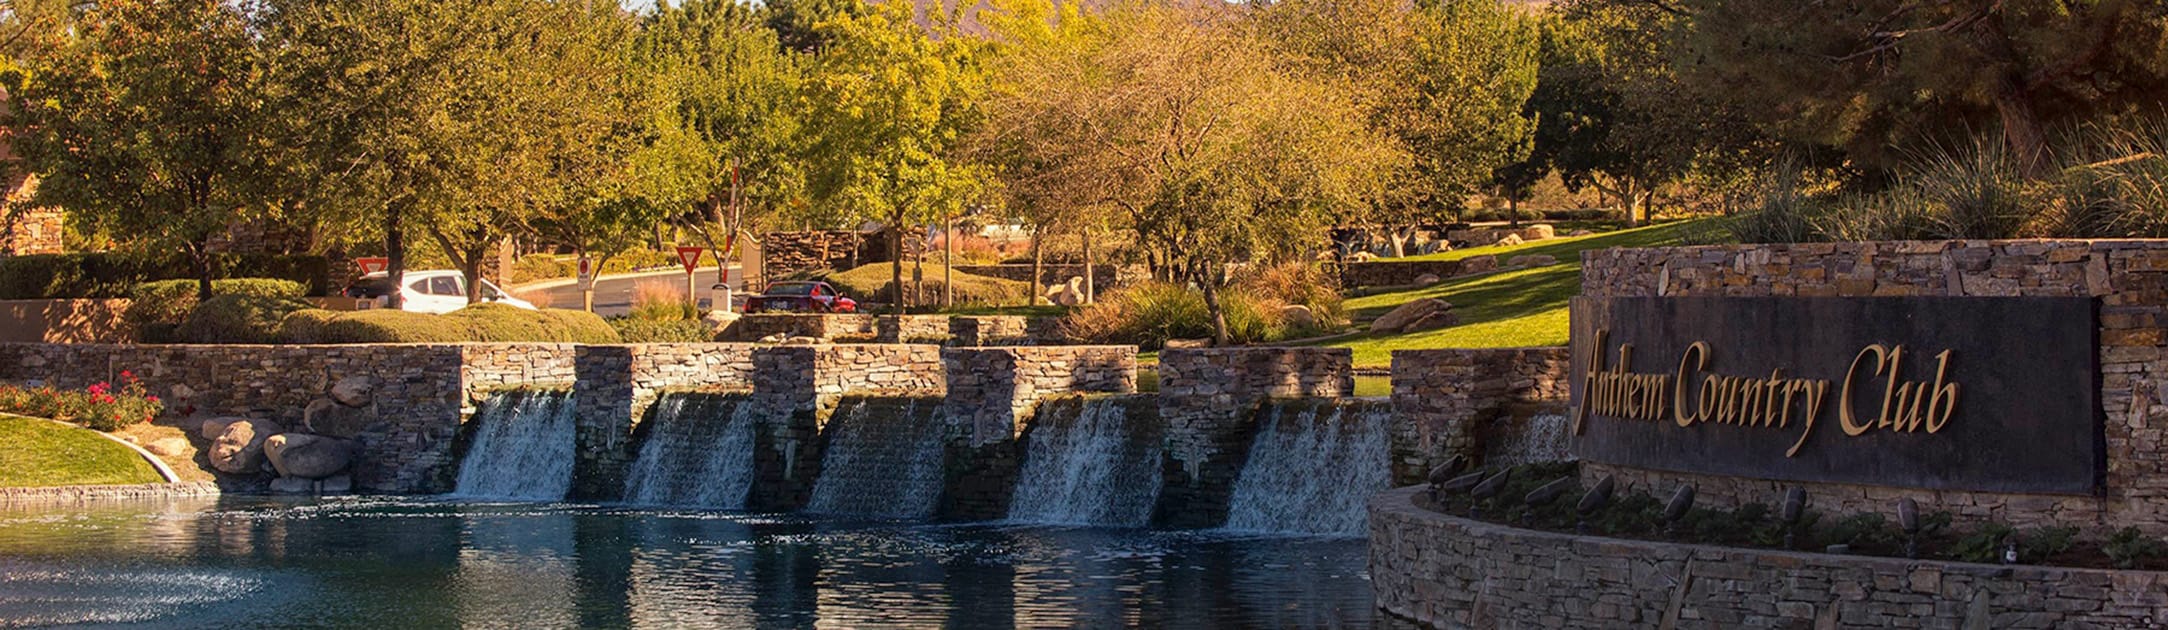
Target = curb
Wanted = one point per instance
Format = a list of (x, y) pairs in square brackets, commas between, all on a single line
[(158, 464)]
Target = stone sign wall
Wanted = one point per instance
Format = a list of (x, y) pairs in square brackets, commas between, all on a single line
[(2128, 278)]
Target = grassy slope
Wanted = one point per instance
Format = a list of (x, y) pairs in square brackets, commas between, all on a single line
[(862, 283), (41, 453), (1503, 310)]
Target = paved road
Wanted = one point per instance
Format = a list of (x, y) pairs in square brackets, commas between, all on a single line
[(613, 295)]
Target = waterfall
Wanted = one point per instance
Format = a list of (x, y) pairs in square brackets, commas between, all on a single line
[(522, 449), (1090, 461), (883, 459), (1312, 467), (1527, 440), (698, 453)]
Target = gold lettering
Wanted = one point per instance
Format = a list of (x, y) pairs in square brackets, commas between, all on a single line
[(1816, 393), (1889, 390), (1698, 355), (1944, 401), (1589, 384), (1844, 400)]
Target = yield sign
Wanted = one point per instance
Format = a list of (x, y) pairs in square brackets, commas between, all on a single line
[(690, 256), (373, 264)]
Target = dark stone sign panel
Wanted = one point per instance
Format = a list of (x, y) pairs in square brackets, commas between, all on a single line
[(1947, 393)]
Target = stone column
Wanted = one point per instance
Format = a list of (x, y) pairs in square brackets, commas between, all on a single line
[(1209, 400)]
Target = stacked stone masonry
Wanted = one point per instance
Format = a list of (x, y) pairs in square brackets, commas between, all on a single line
[(1456, 401), (1448, 572), (2128, 277), (1208, 399)]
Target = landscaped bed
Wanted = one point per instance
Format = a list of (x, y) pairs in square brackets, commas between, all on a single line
[(42, 453)]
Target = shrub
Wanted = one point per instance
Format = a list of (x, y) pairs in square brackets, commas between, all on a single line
[(157, 309), (370, 326), (1297, 283), (580, 326), (101, 406), (2128, 548), (237, 319), (1150, 313), (637, 330), (661, 301), (114, 275)]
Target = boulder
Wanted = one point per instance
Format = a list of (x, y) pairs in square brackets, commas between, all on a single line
[(802, 341), (326, 417), (1433, 247), (1538, 232), (239, 448), (293, 485), (169, 447), (308, 456), (1433, 321), (1177, 344), (1509, 240), (336, 484), (776, 338), (211, 428), (1070, 293), (1427, 279), (353, 391), (1478, 264), (1579, 233), (1362, 257), (1297, 315), (1399, 319), (1531, 260)]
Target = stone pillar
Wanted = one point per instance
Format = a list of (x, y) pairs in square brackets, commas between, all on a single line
[(1209, 400), (992, 392), (603, 393)]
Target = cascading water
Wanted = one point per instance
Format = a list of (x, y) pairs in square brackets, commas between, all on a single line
[(1528, 440), (698, 453), (522, 449), (1312, 467), (1091, 461), (883, 459)]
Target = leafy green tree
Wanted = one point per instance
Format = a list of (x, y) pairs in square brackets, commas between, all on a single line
[(1874, 76), (723, 120), (1446, 80), (1194, 128), (888, 103), (144, 124)]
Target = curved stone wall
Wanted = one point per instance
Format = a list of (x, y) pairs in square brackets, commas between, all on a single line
[(2129, 277), (1450, 572)]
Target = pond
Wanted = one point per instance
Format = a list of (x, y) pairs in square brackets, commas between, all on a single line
[(238, 562)]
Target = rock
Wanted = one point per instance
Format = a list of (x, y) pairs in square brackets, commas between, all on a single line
[(1531, 260), (353, 391), (721, 319), (1398, 319), (1362, 257), (1427, 279), (776, 338), (168, 447), (1433, 247), (1070, 293), (1176, 344), (1509, 240), (308, 456), (1478, 264), (239, 449), (336, 484), (293, 485), (325, 417), (211, 428), (1579, 233), (1433, 321), (1297, 315), (802, 341), (1538, 232)]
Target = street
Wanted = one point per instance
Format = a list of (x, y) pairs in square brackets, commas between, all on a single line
[(613, 294)]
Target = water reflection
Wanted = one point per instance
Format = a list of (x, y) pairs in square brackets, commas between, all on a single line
[(255, 562)]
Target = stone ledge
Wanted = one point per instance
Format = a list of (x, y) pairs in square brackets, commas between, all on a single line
[(84, 494), (1449, 572)]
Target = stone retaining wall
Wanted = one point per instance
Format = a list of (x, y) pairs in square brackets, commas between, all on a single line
[(795, 388), (1209, 398), (958, 330), (2129, 277), (64, 321), (1104, 277), (50, 495), (618, 384), (1449, 572), (1483, 404), (992, 392)]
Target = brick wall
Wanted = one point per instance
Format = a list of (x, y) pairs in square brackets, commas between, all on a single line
[(1467, 402), (2130, 278), (1450, 572)]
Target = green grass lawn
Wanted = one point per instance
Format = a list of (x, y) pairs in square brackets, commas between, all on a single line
[(1508, 309), (41, 453)]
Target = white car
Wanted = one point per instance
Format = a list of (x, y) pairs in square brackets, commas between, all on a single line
[(434, 291)]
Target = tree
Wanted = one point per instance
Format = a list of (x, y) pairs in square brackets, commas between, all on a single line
[(1871, 75), (144, 124), (723, 121), (1446, 80), (888, 104), (1194, 128)]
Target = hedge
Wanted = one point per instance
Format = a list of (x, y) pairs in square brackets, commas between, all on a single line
[(237, 319), (157, 309), (111, 275), (494, 323)]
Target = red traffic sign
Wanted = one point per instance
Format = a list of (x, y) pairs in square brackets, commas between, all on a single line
[(373, 264), (691, 257)]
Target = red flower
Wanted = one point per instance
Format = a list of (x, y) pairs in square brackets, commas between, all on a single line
[(150, 399)]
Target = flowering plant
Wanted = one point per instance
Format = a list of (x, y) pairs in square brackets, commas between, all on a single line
[(101, 406)]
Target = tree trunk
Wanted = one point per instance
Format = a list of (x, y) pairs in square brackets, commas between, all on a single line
[(199, 256), (1091, 293), (1220, 337), (395, 252), (1038, 267), (948, 263), (895, 267), (1513, 212), (2021, 130)]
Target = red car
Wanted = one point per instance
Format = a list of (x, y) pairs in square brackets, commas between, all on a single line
[(800, 297)]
